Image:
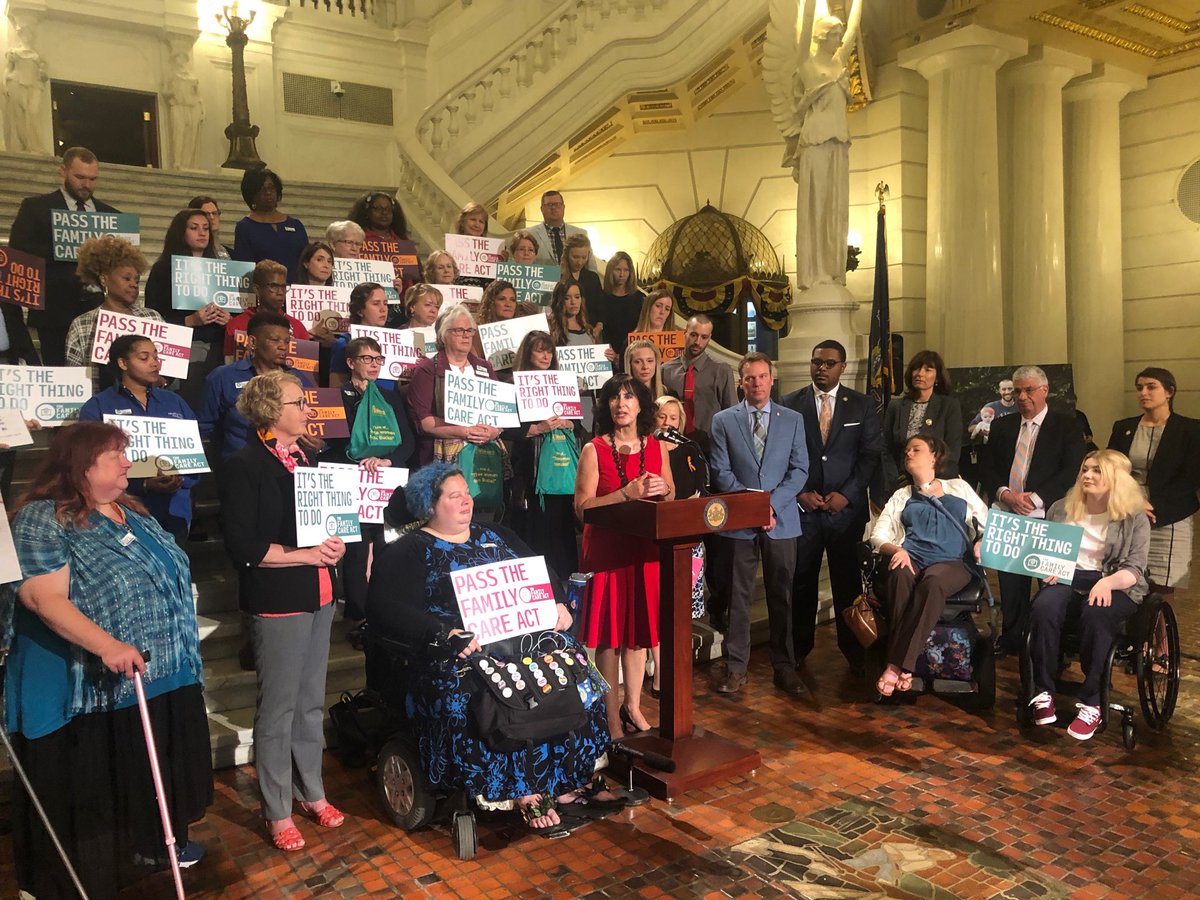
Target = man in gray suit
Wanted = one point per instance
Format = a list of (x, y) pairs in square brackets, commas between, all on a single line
[(553, 232), (760, 445)]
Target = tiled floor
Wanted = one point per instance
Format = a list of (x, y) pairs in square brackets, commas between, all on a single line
[(853, 800)]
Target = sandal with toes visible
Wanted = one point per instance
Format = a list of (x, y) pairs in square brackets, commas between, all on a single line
[(886, 685), (539, 809), (904, 682), (327, 817), (289, 840)]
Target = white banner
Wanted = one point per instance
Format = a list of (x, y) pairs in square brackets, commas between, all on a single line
[(504, 599), (424, 337), (476, 256), (470, 294), (161, 446), (400, 357), (173, 342), (316, 302), (501, 339), (10, 568), (542, 395), (13, 430), (349, 273), (375, 489), (51, 395), (480, 401), (588, 362), (326, 505)]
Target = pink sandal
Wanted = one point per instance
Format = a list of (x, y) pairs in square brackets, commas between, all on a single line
[(327, 816), (289, 840), (886, 685)]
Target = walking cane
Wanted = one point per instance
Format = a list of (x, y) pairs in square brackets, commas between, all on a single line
[(37, 805), (157, 775)]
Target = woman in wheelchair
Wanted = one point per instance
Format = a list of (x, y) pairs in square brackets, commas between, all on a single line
[(412, 600), (1110, 573), (926, 532)]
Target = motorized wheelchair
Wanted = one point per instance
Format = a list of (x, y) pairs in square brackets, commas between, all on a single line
[(958, 660), (1150, 645)]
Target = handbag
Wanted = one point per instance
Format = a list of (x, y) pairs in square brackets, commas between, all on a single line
[(557, 460), (483, 468), (860, 617)]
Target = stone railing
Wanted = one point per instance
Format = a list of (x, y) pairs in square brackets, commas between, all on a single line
[(430, 197)]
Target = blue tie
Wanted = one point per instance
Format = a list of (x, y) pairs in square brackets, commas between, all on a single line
[(759, 433)]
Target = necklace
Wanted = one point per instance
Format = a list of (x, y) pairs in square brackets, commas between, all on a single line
[(617, 459), (128, 537)]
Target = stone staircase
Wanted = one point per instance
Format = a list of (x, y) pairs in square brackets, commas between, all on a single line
[(156, 195)]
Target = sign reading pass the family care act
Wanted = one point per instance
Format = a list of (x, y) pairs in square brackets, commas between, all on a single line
[(326, 505), (197, 281), (70, 229), (505, 599), (476, 257), (51, 395), (542, 395), (1030, 546), (374, 490), (480, 401), (501, 339), (533, 284), (161, 446), (173, 342), (588, 362)]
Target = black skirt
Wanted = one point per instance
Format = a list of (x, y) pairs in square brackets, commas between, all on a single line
[(93, 778)]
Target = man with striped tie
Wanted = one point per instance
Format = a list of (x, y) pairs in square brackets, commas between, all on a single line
[(760, 445), (1031, 460)]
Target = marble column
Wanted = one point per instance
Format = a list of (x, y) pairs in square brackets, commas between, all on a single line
[(1096, 329), (964, 309), (1035, 252)]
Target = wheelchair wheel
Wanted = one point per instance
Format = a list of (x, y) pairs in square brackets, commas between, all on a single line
[(406, 797), (1128, 734), (463, 829), (984, 664), (1158, 667)]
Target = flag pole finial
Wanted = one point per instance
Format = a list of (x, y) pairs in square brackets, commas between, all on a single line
[(882, 191)]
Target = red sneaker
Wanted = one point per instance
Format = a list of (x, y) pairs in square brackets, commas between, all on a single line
[(1043, 709), (1087, 720)]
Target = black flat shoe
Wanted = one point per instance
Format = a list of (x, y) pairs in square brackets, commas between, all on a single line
[(627, 723)]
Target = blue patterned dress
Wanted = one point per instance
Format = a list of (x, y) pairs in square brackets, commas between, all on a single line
[(411, 599)]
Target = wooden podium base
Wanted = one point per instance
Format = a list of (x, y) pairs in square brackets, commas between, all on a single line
[(700, 760)]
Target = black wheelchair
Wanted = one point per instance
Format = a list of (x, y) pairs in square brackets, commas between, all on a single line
[(1150, 649), (958, 660)]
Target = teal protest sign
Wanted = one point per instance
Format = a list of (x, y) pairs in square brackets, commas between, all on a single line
[(1027, 546), (70, 229), (534, 284), (197, 281)]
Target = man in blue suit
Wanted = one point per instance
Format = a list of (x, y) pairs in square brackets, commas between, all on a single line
[(759, 445), (844, 443)]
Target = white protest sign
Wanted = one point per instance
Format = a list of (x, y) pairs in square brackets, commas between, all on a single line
[(315, 302), (542, 395), (476, 256), (349, 273), (501, 339), (51, 395), (375, 489), (400, 357), (588, 362), (505, 599), (13, 430), (10, 567), (173, 342), (161, 446), (197, 281), (470, 294), (480, 401), (424, 337), (326, 505)]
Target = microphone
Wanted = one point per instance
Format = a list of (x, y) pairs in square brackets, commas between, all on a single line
[(673, 434)]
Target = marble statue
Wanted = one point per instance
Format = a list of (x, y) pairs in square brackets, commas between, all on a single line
[(186, 108), (25, 80), (804, 68)]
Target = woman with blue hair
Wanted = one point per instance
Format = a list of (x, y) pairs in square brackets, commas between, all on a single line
[(443, 697)]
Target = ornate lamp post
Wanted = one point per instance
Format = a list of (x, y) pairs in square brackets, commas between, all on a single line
[(242, 152)]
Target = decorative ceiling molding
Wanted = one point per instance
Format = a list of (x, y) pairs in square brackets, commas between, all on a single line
[(1116, 23)]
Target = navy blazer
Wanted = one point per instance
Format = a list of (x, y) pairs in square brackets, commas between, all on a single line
[(847, 462), (943, 419), (782, 470), (32, 232), (1174, 475), (1057, 453)]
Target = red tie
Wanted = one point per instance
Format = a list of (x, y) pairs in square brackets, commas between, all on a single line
[(689, 398)]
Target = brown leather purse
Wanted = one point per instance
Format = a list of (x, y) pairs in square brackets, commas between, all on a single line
[(861, 619)]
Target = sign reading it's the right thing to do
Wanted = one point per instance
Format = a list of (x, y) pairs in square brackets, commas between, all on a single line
[(1026, 546)]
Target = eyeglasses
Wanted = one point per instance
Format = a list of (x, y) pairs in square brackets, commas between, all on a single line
[(826, 363), (460, 332), (276, 287), (300, 403), (370, 360)]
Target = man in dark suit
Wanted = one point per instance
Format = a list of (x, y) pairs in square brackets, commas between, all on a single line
[(758, 445), (844, 442), (1031, 460), (31, 232)]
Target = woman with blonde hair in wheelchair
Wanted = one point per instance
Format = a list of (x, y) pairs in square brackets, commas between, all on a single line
[(1109, 583), (923, 532)]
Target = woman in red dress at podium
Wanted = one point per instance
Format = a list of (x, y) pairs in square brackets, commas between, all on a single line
[(620, 619)]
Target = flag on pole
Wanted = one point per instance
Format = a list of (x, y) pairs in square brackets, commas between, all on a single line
[(880, 377)]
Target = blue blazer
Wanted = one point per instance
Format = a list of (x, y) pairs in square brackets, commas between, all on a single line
[(782, 471)]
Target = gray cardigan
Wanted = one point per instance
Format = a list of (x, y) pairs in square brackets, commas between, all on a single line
[(1126, 546)]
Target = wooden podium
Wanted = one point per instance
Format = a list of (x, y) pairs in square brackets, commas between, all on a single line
[(677, 526)]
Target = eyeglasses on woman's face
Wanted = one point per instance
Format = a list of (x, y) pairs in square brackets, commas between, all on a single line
[(299, 403), (461, 332), (370, 360)]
